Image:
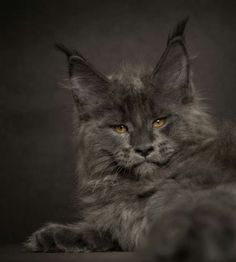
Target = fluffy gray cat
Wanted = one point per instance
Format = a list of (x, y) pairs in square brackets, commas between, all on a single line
[(153, 169)]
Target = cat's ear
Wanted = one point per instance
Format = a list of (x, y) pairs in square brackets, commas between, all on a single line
[(89, 87), (171, 74)]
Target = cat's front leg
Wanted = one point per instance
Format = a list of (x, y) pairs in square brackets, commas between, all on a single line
[(69, 238)]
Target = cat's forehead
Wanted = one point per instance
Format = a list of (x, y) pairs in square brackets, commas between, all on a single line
[(132, 94), (133, 101), (132, 82), (130, 77)]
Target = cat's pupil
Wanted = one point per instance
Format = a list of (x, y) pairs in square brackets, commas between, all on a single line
[(121, 129), (159, 123)]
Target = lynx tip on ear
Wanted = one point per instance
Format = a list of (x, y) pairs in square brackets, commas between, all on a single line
[(68, 52), (64, 49), (178, 31)]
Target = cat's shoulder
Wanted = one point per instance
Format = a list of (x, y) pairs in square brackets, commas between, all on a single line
[(225, 143), (226, 133)]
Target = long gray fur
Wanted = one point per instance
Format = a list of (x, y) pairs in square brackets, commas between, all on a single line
[(179, 201)]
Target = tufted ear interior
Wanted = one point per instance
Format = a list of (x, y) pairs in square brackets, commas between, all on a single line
[(171, 74), (89, 87)]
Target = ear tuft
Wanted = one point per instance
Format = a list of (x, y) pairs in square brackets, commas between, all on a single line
[(61, 47), (171, 74), (89, 87), (178, 32)]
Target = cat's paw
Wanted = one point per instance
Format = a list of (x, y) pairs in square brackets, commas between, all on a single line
[(42, 240), (202, 235), (54, 238)]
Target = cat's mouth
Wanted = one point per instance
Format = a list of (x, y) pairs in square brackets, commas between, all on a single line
[(159, 163), (163, 162), (146, 166), (149, 165)]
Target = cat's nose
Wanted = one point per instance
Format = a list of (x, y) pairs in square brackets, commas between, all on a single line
[(144, 150)]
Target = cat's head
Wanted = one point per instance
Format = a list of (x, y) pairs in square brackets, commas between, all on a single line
[(135, 123)]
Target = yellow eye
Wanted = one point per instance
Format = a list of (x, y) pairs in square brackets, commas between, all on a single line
[(159, 123), (121, 129)]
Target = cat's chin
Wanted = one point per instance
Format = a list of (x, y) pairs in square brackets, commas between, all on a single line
[(146, 168)]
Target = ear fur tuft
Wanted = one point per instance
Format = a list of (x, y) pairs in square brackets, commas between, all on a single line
[(171, 74), (178, 32), (68, 52)]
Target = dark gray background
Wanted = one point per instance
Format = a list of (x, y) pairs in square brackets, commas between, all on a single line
[(36, 150)]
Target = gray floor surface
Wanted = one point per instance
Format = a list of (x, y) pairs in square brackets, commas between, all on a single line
[(16, 253)]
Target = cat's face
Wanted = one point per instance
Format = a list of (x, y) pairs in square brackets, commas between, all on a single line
[(134, 129), (135, 123)]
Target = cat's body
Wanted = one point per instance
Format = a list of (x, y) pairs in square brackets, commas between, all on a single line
[(149, 160)]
